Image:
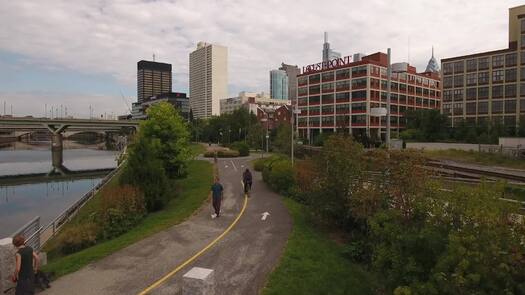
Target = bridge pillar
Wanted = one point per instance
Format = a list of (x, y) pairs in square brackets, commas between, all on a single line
[(57, 147)]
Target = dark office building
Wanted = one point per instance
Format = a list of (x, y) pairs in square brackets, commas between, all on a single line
[(153, 78)]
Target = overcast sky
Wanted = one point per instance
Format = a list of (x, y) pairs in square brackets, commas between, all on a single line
[(82, 53)]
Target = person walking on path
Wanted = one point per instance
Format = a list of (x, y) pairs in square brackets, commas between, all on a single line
[(216, 191), (247, 180), (26, 265)]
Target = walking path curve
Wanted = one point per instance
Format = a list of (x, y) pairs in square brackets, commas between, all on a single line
[(242, 259)]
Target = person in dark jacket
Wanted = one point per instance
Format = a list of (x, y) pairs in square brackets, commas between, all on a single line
[(26, 265), (216, 192), (247, 180)]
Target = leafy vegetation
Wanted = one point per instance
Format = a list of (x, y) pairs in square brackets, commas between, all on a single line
[(430, 125), (315, 264), (191, 192), (402, 225)]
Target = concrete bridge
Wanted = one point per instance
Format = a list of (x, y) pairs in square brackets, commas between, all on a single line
[(58, 126)]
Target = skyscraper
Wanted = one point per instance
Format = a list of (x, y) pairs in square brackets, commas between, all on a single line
[(329, 54), (291, 72), (208, 79), (278, 84), (153, 78)]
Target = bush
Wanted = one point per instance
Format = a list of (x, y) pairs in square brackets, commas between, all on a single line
[(146, 172), (78, 237), (242, 148), (222, 154), (120, 210), (258, 165), (279, 175)]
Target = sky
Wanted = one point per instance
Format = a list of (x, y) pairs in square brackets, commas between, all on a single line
[(82, 54)]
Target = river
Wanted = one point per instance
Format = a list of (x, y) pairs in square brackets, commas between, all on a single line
[(26, 189)]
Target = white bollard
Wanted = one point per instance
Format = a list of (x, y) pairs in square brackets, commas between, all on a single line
[(7, 263), (198, 281)]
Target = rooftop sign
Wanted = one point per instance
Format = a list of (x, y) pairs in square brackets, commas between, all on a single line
[(334, 63)]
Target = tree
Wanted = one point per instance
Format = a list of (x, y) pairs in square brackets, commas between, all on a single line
[(282, 141), (145, 170), (169, 128)]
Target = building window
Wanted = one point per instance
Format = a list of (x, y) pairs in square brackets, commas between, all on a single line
[(359, 71), (483, 63), (328, 98), (358, 107), (447, 68), (359, 83), (315, 89), (302, 81), (472, 79), (458, 94), (302, 91), (458, 67), (314, 99), (327, 76), (497, 91), (497, 61), (314, 79), (328, 109), (522, 105), (510, 90), (522, 57), (360, 94), (510, 75), (497, 107), (523, 25), (342, 108), (360, 119), (522, 40), (510, 106), (510, 59), (314, 110), (458, 108), (522, 89), (447, 107), (447, 82), (471, 93), (342, 85), (483, 77), (472, 65), (447, 95), (328, 120), (342, 74), (471, 108), (497, 76), (328, 87), (342, 96), (483, 107)]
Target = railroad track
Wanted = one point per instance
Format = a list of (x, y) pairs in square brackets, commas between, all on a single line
[(469, 172)]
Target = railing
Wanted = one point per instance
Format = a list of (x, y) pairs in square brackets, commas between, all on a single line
[(29, 231), (37, 236), (516, 152)]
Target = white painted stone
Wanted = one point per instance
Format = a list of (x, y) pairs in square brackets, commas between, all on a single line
[(7, 263), (198, 281)]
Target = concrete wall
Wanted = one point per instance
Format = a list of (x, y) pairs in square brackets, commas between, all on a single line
[(434, 146), (7, 264)]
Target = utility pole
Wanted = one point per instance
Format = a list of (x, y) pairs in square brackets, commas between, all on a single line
[(388, 83)]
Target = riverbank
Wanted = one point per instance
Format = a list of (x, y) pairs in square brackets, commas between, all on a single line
[(188, 196)]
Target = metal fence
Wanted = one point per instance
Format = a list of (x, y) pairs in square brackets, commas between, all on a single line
[(30, 231)]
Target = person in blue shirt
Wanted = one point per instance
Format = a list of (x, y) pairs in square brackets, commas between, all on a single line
[(216, 191)]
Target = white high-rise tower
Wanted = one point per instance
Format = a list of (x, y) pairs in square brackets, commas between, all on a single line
[(208, 79), (328, 54)]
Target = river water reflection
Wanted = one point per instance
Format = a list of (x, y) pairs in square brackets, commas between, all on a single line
[(33, 193)]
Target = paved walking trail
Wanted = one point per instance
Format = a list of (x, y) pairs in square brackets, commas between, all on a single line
[(242, 260)]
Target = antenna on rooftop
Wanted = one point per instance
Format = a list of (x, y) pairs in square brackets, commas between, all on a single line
[(153, 56)]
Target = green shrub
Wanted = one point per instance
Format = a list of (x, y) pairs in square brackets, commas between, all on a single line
[(77, 237), (242, 148), (120, 210), (222, 154)]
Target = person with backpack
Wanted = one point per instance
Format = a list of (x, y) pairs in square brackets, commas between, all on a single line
[(27, 263), (247, 180)]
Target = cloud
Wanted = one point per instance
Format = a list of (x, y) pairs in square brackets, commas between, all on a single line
[(109, 37)]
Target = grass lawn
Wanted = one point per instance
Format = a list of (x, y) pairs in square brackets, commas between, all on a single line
[(487, 159), (197, 148), (314, 264), (190, 193)]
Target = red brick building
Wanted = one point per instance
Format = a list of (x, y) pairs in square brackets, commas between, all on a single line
[(337, 96)]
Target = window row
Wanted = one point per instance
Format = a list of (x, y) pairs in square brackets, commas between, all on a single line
[(482, 63), (473, 108)]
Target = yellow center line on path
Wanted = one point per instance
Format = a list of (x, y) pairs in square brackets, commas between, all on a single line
[(178, 268)]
